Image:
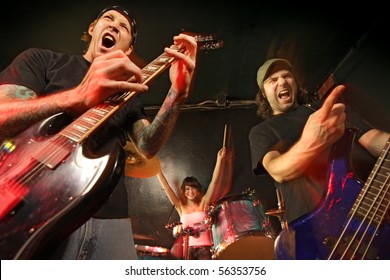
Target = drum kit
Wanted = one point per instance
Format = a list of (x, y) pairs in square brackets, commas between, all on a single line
[(240, 229)]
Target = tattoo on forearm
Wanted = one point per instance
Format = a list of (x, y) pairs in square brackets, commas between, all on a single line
[(170, 109), (15, 117), (17, 92), (152, 138)]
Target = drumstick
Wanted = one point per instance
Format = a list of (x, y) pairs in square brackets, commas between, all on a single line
[(226, 136)]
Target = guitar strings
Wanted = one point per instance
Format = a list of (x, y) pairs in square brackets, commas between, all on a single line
[(354, 213), (376, 203), (386, 191), (371, 220)]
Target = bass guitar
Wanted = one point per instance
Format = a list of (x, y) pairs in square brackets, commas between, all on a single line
[(50, 180), (352, 222)]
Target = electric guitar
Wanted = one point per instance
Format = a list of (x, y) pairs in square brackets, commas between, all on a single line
[(51, 181), (353, 220)]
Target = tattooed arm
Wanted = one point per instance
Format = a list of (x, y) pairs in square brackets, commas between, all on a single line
[(149, 138)]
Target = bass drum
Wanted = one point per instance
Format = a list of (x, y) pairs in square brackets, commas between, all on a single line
[(240, 229)]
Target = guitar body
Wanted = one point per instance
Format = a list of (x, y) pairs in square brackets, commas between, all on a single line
[(315, 235), (44, 201)]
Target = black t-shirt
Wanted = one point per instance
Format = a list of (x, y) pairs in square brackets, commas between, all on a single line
[(279, 133), (46, 72)]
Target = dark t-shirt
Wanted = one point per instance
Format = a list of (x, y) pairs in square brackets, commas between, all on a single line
[(279, 133), (46, 72)]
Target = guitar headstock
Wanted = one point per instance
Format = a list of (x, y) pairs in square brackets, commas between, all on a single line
[(207, 41)]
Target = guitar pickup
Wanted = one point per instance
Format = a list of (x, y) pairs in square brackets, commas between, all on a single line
[(53, 157)]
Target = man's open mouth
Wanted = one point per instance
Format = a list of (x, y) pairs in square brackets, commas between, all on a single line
[(108, 41), (284, 94)]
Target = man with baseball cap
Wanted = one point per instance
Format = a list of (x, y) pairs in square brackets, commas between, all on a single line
[(293, 141)]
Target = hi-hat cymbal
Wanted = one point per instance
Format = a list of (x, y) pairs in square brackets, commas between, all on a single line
[(142, 237), (139, 167)]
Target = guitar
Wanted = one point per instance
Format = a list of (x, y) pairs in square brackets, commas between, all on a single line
[(352, 222), (51, 180)]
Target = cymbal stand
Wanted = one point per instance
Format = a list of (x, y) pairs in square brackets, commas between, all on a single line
[(282, 209), (279, 212)]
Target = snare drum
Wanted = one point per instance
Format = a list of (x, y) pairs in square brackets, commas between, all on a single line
[(240, 229)]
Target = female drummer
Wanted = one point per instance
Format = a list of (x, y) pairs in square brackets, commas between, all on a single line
[(192, 205)]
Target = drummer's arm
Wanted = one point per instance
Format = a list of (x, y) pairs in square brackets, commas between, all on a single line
[(173, 198), (221, 181)]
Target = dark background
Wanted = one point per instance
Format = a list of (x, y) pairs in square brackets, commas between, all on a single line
[(319, 39)]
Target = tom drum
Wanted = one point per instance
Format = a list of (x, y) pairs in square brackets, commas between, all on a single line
[(240, 229)]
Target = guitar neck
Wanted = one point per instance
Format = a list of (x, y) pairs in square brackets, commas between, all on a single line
[(95, 117)]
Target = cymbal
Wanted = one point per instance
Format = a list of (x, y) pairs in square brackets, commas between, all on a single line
[(142, 237), (137, 166)]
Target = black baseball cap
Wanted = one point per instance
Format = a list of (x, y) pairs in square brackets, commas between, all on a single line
[(129, 17)]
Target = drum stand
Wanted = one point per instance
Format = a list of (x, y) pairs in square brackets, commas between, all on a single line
[(186, 248)]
